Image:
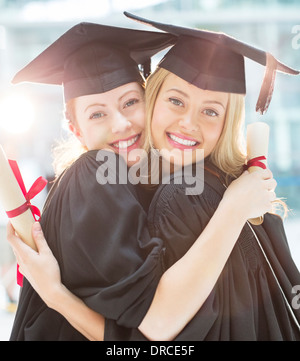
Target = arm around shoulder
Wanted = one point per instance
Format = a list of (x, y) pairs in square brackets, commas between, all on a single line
[(188, 282)]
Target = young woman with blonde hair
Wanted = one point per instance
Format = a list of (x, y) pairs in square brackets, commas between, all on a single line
[(229, 153), (217, 284), (242, 273), (98, 67)]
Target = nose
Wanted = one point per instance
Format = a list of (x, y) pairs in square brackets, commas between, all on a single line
[(189, 122), (120, 123)]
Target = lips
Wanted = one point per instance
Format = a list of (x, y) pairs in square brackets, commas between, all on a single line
[(126, 144), (181, 141)]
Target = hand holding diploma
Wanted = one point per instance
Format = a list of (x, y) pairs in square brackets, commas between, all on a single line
[(257, 152), (16, 201)]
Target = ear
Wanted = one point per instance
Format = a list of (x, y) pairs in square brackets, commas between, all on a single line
[(76, 132)]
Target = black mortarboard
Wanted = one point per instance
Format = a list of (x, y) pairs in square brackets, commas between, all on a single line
[(92, 58), (215, 61)]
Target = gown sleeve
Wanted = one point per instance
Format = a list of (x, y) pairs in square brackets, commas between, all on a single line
[(241, 306), (179, 218), (106, 254)]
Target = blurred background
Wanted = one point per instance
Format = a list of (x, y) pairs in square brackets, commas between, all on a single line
[(31, 116)]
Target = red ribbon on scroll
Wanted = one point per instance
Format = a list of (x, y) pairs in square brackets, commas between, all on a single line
[(256, 162), (35, 189)]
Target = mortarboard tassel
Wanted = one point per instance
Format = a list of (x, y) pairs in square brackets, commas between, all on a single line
[(267, 87), (147, 68)]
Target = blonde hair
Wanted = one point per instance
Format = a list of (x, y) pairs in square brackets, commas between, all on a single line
[(229, 153), (66, 151)]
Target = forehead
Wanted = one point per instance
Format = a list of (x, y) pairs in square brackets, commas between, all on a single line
[(177, 84), (111, 96)]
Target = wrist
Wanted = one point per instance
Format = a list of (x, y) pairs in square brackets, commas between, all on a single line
[(56, 296), (237, 214)]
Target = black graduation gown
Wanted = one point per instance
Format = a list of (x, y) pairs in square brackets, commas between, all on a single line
[(246, 302), (99, 236)]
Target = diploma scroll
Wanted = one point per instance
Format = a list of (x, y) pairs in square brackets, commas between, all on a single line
[(257, 152), (12, 198)]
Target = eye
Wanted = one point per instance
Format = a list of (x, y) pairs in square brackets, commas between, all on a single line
[(131, 102), (176, 102), (210, 113), (97, 115)]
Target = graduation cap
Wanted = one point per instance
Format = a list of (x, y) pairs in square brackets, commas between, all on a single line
[(215, 61), (92, 58)]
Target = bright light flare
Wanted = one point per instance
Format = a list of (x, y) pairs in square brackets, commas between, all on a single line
[(16, 114)]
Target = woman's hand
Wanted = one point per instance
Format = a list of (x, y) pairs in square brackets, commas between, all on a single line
[(40, 268), (252, 194), (42, 271)]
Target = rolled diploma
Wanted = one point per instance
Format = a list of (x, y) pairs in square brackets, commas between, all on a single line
[(257, 145), (11, 197)]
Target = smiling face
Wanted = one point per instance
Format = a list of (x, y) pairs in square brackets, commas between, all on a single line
[(186, 117), (113, 120)]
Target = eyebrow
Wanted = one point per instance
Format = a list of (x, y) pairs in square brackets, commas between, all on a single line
[(94, 105), (178, 91), (205, 102), (104, 105), (128, 92), (214, 102)]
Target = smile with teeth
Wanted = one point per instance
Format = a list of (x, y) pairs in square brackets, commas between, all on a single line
[(124, 144), (181, 141)]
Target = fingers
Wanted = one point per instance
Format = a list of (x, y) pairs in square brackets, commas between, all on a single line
[(270, 184), (15, 242), (10, 230), (246, 172), (19, 246), (20, 249), (265, 173), (266, 187), (272, 196), (39, 238)]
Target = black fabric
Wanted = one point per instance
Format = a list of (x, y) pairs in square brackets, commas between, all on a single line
[(99, 235), (246, 303), (202, 66), (215, 61), (97, 68), (217, 38), (93, 58)]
